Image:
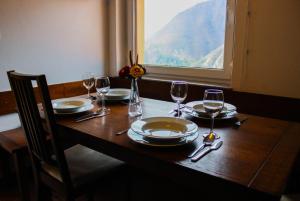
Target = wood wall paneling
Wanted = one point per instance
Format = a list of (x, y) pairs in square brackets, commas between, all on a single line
[(8, 104), (250, 103)]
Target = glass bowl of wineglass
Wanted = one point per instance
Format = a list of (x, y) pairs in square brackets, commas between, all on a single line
[(88, 82), (178, 93), (102, 85), (213, 103)]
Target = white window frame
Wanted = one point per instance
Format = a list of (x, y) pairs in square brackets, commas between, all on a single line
[(211, 76)]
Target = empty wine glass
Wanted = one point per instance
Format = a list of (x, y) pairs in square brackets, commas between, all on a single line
[(213, 103), (178, 93), (102, 86), (88, 81)]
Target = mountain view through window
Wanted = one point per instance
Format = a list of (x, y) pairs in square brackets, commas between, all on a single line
[(185, 33)]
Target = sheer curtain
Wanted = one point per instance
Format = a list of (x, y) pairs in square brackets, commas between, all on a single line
[(121, 34)]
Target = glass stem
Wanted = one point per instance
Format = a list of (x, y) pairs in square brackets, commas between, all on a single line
[(103, 102), (178, 108), (88, 92), (212, 125)]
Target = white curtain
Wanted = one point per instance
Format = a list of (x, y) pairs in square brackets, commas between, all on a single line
[(120, 33)]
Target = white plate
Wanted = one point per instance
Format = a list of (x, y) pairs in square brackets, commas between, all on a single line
[(69, 104), (164, 127), (118, 94), (224, 116), (80, 110), (142, 140), (197, 106)]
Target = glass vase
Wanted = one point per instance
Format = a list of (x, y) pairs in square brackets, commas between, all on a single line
[(135, 104)]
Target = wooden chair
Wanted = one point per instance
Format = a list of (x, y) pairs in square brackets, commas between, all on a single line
[(69, 172)]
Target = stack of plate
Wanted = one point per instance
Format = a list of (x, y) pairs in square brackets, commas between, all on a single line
[(117, 94), (163, 131), (196, 109), (71, 105)]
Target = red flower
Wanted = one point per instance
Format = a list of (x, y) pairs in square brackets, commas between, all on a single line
[(124, 72)]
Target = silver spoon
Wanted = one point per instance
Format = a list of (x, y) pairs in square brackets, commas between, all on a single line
[(215, 146), (207, 141)]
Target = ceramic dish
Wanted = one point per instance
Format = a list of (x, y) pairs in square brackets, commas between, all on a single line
[(69, 104), (164, 127), (197, 106), (118, 94), (225, 116), (80, 110), (144, 141)]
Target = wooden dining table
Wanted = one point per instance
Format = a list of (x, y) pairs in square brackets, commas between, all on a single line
[(254, 163)]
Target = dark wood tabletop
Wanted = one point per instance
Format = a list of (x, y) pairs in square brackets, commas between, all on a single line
[(256, 158)]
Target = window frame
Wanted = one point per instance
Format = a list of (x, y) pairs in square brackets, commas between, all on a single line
[(212, 76)]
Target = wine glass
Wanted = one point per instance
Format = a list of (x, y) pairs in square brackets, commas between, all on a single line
[(178, 93), (213, 103), (102, 86), (88, 81)]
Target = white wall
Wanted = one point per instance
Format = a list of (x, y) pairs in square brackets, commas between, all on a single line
[(59, 38), (273, 40)]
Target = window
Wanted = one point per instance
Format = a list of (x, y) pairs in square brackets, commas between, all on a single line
[(192, 39)]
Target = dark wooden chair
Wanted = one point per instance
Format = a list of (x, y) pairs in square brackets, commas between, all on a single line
[(69, 173)]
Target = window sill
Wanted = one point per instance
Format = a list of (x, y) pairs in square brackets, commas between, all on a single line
[(211, 82)]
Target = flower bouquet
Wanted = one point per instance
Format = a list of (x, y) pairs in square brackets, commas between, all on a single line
[(134, 71)]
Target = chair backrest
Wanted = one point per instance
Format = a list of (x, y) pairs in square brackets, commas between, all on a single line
[(33, 125)]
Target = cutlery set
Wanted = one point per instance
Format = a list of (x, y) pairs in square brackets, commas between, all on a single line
[(206, 149), (92, 115)]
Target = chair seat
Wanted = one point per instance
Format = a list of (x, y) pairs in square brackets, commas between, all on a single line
[(85, 165), (12, 137), (13, 140)]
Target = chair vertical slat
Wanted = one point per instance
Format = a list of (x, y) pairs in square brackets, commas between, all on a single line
[(23, 92), (20, 97), (32, 122)]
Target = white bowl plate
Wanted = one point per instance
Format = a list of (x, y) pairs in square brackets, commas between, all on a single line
[(69, 104), (118, 94), (145, 141), (197, 106), (79, 110), (164, 127)]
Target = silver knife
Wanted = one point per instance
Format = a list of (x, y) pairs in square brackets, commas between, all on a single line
[(92, 116), (88, 115), (207, 150)]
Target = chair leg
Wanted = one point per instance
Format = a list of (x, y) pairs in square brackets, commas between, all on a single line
[(69, 198), (90, 197), (5, 169), (41, 192), (21, 176)]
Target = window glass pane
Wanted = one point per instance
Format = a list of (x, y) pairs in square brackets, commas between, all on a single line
[(185, 33)]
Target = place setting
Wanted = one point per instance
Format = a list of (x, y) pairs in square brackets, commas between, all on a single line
[(163, 131), (71, 106), (177, 130), (83, 107)]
